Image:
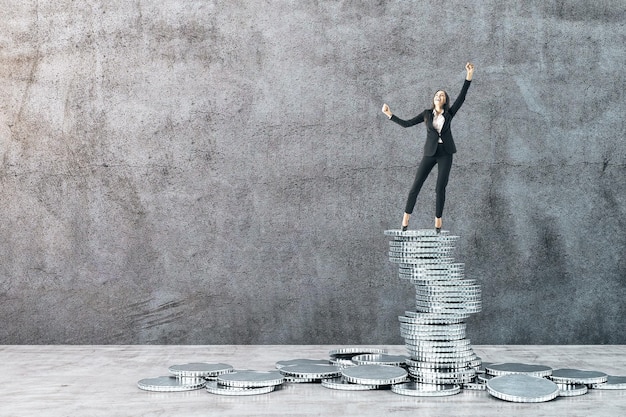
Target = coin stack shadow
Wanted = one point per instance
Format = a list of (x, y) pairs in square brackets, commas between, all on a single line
[(435, 332)]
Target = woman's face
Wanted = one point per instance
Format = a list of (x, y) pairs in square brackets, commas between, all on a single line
[(440, 98)]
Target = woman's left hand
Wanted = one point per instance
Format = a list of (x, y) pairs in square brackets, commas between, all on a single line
[(469, 67)]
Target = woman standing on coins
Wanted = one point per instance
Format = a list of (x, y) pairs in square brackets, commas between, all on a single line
[(438, 149)]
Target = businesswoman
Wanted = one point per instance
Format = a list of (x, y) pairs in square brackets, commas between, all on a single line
[(438, 149)]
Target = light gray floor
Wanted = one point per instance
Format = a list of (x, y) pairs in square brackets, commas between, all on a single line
[(102, 381)]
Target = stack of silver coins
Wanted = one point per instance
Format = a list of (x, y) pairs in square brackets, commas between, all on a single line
[(434, 332)]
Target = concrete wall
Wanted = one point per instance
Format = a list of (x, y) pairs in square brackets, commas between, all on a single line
[(207, 172)]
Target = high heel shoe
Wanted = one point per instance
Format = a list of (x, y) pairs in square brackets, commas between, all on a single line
[(405, 218), (438, 228)]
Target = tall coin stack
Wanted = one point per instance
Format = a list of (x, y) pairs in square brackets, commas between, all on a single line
[(435, 332)]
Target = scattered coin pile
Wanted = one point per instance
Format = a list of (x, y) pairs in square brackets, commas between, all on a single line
[(349, 369), (441, 358), (524, 383), (365, 369)]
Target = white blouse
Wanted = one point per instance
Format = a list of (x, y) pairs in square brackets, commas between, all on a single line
[(438, 121)]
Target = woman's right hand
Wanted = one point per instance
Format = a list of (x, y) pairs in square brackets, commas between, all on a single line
[(386, 110)]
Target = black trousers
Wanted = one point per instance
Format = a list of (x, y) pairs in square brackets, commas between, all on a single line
[(443, 160)]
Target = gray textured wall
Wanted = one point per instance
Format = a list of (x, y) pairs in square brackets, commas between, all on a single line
[(220, 172)]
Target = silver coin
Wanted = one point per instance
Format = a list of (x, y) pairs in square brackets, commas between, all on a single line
[(430, 318), (375, 374), (379, 359), (452, 308), (251, 379), (522, 388), (436, 270), (410, 256), (440, 320), (442, 350), (441, 270), (426, 242), (439, 375), (448, 281), (296, 380), (419, 255), (447, 305), (414, 333), (444, 307), (434, 327), (437, 380), (436, 360), (460, 357), (204, 370), (458, 295), (419, 364), (420, 239), (170, 384), (572, 390), (448, 289), (411, 336), (425, 390), (612, 382), (426, 345), (421, 261), (435, 249), (418, 232), (442, 361), (451, 267), (577, 376), (214, 388), (340, 383), (443, 299), (455, 299), (446, 301), (484, 377), (462, 370), (442, 282), (443, 304), (475, 363), (461, 285), (282, 364), (449, 239), (353, 351), (432, 336), (342, 363), (451, 295), (498, 369), (442, 366), (474, 386), (407, 248), (311, 371)]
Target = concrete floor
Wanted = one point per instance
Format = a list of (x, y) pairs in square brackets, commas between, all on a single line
[(102, 381)]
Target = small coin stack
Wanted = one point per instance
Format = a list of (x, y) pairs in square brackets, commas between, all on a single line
[(435, 332), (246, 382), (186, 377)]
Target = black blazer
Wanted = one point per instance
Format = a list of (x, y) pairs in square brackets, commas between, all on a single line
[(432, 136)]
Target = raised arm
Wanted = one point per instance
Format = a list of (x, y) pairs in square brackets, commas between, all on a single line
[(469, 68)]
